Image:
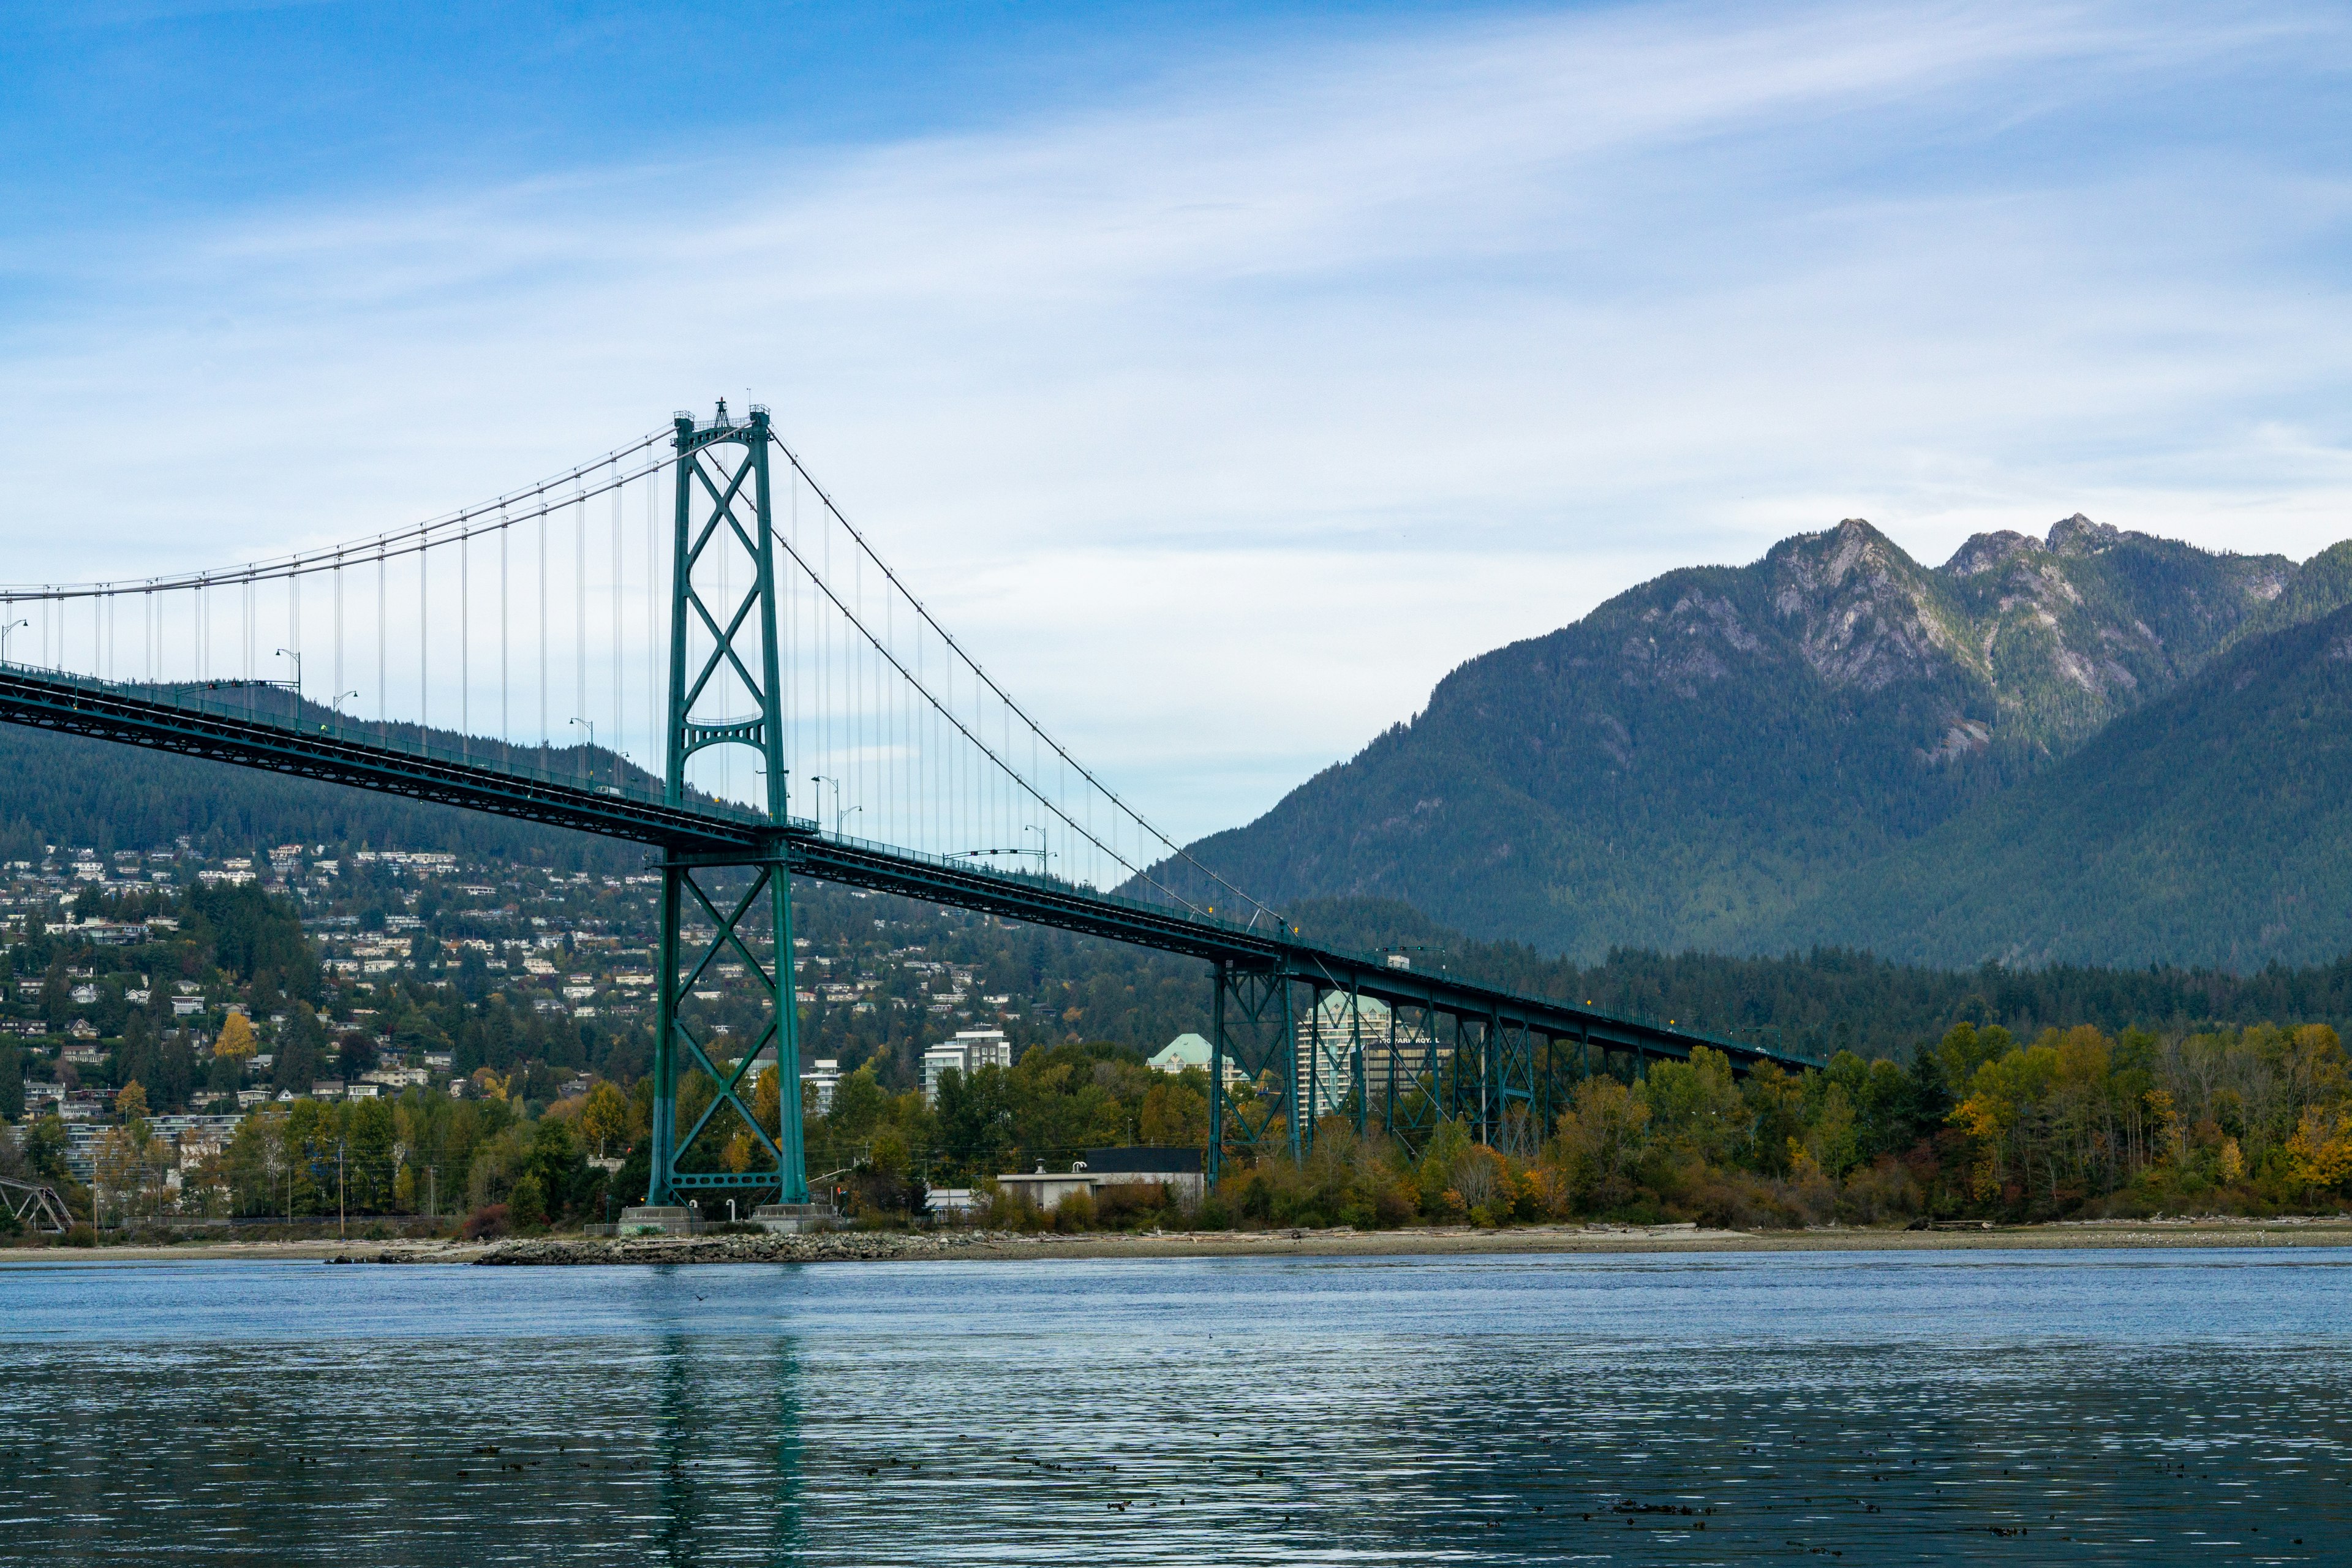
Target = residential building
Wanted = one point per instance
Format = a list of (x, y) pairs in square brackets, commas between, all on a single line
[(1190, 1051), (971, 1050), (825, 1076), (1329, 1042)]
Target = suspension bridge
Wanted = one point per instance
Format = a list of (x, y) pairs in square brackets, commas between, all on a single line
[(752, 659)]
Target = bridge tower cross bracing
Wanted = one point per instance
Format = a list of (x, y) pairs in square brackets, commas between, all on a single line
[(731, 898)]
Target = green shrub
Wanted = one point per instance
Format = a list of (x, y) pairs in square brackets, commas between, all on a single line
[(527, 1204)]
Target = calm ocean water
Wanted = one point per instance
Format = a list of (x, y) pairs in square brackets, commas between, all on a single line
[(1957, 1407)]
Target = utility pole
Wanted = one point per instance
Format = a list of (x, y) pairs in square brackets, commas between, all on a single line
[(339, 1187)]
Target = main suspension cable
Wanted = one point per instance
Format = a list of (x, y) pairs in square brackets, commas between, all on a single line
[(1060, 753)]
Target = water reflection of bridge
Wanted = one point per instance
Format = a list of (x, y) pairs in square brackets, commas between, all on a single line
[(35, 1206)]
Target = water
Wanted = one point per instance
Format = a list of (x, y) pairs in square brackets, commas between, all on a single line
[(1952, 1407)]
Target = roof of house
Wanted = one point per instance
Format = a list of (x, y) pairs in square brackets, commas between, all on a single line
[(1170, 1161), (1191, 1050)]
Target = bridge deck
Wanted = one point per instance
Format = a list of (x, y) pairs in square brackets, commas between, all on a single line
[(227, 725)]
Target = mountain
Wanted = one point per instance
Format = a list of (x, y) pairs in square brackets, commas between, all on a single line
[(1711, 752), (2212, 825)]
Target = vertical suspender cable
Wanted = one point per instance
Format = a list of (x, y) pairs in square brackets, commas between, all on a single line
[(862, 708), (466, 644), (543, 736), (506, 639), (892, 761), (788, 604), (795, 671), (619, 737), (580, 619), (423, 653), (725, 549), (656, 600)]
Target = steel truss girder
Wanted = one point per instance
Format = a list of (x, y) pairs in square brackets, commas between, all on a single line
[(1448, 1053), (1410, 1084), (1251, 1027), (106, 710)]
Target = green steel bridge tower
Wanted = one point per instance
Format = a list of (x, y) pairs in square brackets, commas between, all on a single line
[(723, 659)]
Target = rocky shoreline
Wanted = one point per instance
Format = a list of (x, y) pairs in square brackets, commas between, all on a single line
[(913, 1246), (841, 1247), (822, 1246)]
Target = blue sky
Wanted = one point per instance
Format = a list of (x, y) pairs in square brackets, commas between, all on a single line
[(1226, 374)]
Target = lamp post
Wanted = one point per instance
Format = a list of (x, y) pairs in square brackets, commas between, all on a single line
[(592, 743), (1042, 853), (838, 813), (11, 627), (289, 653)]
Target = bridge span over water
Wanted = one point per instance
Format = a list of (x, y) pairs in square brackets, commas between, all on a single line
[(783, 642)]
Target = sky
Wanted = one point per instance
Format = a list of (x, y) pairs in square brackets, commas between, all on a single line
[(1224, 375)]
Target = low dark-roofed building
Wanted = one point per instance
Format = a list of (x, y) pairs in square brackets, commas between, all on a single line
[(1143, 1160)]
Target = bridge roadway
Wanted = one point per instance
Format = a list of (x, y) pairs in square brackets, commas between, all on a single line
[(224, 722)]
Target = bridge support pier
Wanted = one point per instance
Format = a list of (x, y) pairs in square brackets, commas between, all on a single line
[(1253, 1037)]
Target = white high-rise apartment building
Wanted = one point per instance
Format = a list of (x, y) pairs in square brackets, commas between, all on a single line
[(824, 1078), (1327, 1044), (970, 1051)]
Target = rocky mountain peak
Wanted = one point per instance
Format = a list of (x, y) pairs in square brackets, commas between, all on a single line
[(1988, 551), (2078, 535), (1867, 612)]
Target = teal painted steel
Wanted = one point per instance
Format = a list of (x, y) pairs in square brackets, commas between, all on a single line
[(726, 465)]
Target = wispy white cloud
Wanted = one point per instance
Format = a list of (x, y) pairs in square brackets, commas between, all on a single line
[(1228, 420)]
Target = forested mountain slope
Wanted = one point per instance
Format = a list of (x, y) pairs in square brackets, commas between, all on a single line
[(1705, 754), (100, 794), (2213, 826)]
